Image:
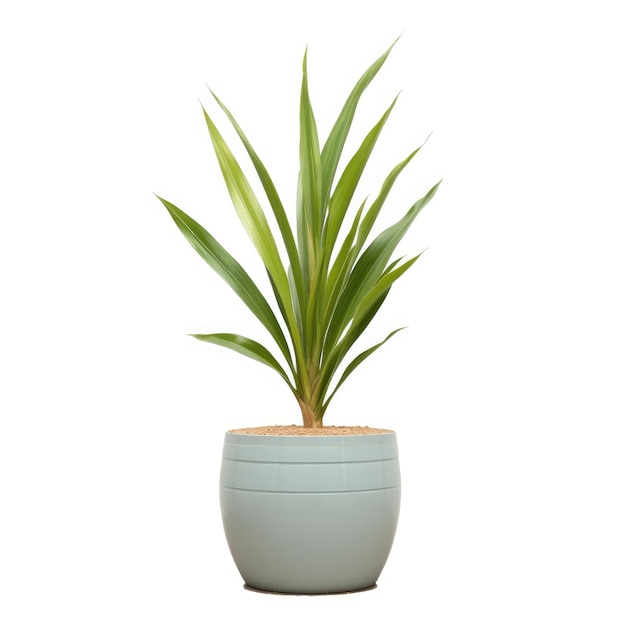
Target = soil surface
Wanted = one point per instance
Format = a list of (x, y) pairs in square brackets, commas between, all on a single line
[(304, 432)]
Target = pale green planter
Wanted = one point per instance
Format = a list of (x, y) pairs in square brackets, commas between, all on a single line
[(310, 514)]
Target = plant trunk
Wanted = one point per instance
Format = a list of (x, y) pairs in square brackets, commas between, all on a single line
[(308, 416)]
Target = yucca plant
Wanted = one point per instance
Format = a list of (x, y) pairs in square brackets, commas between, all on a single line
[(330, 288)]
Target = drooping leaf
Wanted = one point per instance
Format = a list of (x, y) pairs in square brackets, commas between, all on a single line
[(248, 347), (231, 271)]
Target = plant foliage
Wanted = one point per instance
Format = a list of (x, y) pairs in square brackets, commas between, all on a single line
[(330, 289)]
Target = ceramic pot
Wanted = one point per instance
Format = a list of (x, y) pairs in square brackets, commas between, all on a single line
[(310, 514)]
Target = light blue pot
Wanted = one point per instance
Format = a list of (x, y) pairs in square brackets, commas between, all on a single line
[(310, 514)]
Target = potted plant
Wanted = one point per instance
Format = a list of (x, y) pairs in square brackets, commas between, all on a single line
[(311, 508)]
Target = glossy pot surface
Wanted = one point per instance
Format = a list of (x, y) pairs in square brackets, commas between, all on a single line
[(310, 514)]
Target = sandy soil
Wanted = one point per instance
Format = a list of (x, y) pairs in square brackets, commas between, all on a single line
[(301, 431)]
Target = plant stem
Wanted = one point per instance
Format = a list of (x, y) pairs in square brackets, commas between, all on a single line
[(308, 416), (310, 405)]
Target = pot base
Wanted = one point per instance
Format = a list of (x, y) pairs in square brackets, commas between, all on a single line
[(286, 593)]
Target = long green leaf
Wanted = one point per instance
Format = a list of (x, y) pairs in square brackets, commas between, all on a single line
[(369, 268), (342, 264), (248, 347), (345, 260), (356, 362), (249, 209), (231, 271), (330, 290), (370, 217), (337, 137), (348, 181), (382, 286), (254, 221), (310, 207), (364, 314), (334, 358), (275, 203)]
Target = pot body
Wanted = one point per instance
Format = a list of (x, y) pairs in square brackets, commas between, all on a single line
[(310, 514)]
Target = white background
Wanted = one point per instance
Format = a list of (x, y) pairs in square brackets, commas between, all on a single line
[(506, 390)]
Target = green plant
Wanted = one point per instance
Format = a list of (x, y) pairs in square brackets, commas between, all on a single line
[(330, 289)]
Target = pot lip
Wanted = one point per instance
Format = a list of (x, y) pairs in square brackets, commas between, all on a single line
[(315, 449), (332, 433)]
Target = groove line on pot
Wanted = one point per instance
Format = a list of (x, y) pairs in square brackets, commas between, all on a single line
[(310, 493), (386, 458)]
